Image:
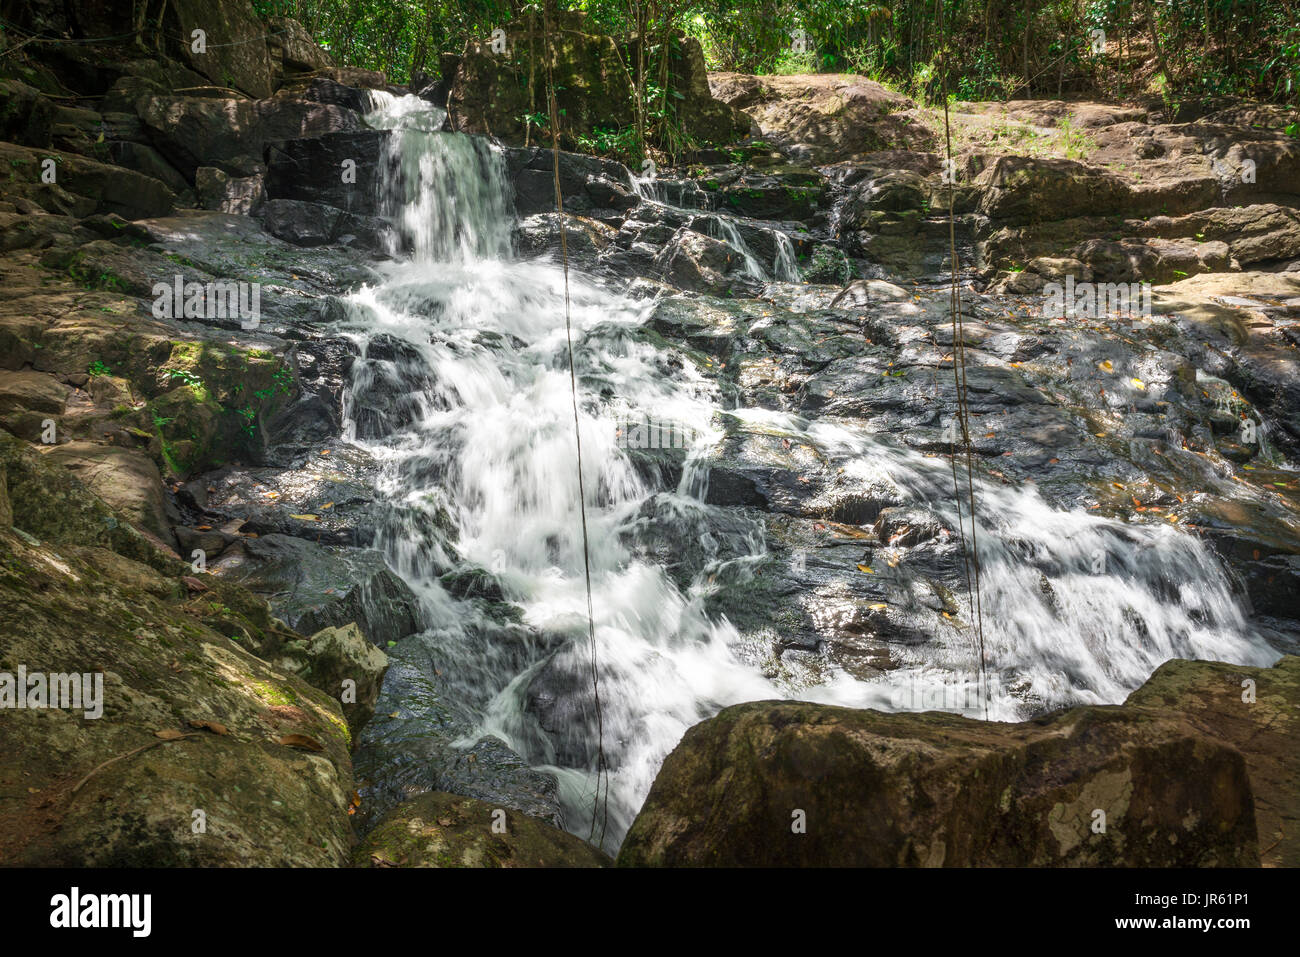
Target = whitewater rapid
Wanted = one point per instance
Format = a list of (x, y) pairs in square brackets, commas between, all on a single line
[(462, 393)]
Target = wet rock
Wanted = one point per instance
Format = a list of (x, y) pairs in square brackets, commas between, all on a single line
[(309, 170), (410, 748), (934, 789), (239, 195), (443, 830), (560, 715), (313, 587), (309, 422), (589, 185), (585, 238), (342, 663), (316, 224), (688, 539), (699, 263), (776, 193)]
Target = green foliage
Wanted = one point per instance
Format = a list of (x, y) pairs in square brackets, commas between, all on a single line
[(607, 141), (978, 49)]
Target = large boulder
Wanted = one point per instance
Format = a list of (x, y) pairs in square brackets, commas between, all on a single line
[(824, 118), (589, 185), (792, 783), (1256, 711), (698, 263), (310, 170), (25, 115), (234, 52), (228, 760), (1024, 189), (292, 48), (445, 830), (232, 134)]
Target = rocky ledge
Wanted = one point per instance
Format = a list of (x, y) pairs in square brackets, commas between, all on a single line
[(1199, 768)]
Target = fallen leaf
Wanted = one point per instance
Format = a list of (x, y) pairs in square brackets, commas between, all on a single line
[(878, 606), (306, 518), (212, 726), (170, 734), (865, 568), (300, 741)]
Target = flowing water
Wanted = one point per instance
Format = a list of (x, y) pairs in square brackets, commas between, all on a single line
[(462, 391)]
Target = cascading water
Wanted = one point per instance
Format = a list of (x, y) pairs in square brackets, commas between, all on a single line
[(461, 390), (722, 228)]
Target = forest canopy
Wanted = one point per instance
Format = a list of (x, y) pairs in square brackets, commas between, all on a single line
[(1000, 49)]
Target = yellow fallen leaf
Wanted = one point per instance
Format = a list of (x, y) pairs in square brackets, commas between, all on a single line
[(1139, 384), (878, 606), (866, 568), (213, 726), (1105, 365), (306, 518)]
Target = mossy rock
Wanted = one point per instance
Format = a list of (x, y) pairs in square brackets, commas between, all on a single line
[(796, 784), (204, 755), (444, 830)]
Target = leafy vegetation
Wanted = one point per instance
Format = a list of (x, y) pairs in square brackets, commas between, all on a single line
[(998, 49)]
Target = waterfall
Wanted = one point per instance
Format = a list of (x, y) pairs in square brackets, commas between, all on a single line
[(461, 392), (722, 228), (786, 267)]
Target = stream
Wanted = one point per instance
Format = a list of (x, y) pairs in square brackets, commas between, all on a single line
[(461, 392)]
